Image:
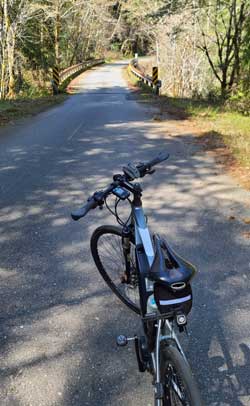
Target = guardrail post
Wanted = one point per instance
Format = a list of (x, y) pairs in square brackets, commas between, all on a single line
[(54, 87), (60, 77), (155, 79), (150, 81), (56, 80)]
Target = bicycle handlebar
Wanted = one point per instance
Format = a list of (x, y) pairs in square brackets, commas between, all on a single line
[(145, 168), (162, 156), (82, 211), (94, 201), (132, 172)]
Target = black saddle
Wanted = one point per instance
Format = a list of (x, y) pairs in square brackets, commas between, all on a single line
[(169, 268)]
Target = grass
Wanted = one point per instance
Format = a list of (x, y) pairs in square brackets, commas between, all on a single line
[(11, 110), (213, 118), (234, 129), (193, 108), (230, 126), (144, 92), (132, 79)]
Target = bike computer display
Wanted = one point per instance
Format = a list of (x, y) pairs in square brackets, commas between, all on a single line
[(121, 193)]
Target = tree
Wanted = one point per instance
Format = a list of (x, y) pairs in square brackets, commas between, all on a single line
[(222, 40), (14, 16)]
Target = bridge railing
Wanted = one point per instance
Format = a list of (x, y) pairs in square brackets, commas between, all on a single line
[(66, 73), (60, 77), (151, 81)]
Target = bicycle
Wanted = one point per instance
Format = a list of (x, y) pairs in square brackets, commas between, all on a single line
[(152, 280)]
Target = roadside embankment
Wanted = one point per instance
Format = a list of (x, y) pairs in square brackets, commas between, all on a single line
[(11, 110), (218, 127)]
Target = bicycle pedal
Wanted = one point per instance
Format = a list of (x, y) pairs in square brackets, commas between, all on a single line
[(122, 340)]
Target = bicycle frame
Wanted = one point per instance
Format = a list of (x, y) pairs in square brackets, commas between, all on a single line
[(144, 254)]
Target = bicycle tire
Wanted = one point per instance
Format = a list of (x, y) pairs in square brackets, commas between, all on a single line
[(177, 378), (113, 236)]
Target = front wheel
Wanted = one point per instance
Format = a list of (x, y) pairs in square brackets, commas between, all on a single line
[(179, 386), (107, 251)]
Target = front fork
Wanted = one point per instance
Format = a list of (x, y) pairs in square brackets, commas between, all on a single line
[(126, 233)]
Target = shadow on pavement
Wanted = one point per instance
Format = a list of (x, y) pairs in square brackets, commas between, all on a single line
[(55, 309)]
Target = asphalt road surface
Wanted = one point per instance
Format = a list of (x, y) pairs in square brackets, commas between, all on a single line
[(58, 319)]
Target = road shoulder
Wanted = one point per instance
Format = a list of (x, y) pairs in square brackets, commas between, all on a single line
[(13, 110), (203, 128)]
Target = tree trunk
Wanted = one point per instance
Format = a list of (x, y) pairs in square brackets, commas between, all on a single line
[(57, 35), (11, 60), (5, 28), (224, 89), (3, 69)]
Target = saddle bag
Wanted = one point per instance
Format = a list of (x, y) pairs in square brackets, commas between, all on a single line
[(173, 301), (172, 277)]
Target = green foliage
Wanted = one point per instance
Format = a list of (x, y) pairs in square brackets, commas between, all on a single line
[(226, 42), (37, 49), (10, 110), (116, 46), (240, 102), (33, 91), (42, 33)]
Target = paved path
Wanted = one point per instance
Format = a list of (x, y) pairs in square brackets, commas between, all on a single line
[(58, 319)]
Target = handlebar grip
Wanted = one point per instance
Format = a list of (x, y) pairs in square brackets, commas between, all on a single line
[(82, 211), (162, 156)]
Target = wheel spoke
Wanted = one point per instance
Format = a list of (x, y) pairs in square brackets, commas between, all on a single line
[(110, 253), (174, 388)]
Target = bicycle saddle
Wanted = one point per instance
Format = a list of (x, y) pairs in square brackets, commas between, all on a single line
[(168, 268)]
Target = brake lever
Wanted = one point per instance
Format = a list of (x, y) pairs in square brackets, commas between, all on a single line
[(148, 172), (131, 171), (98, 197)]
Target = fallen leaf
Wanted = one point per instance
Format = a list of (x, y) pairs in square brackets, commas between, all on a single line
[(246, 234), (231, 218), (246, 220), (157, 118)]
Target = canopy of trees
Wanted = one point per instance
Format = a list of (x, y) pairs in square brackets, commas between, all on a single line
[(202, 46)]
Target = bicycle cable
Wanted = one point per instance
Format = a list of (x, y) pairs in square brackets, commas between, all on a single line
[(118, 218), (115, 211)]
